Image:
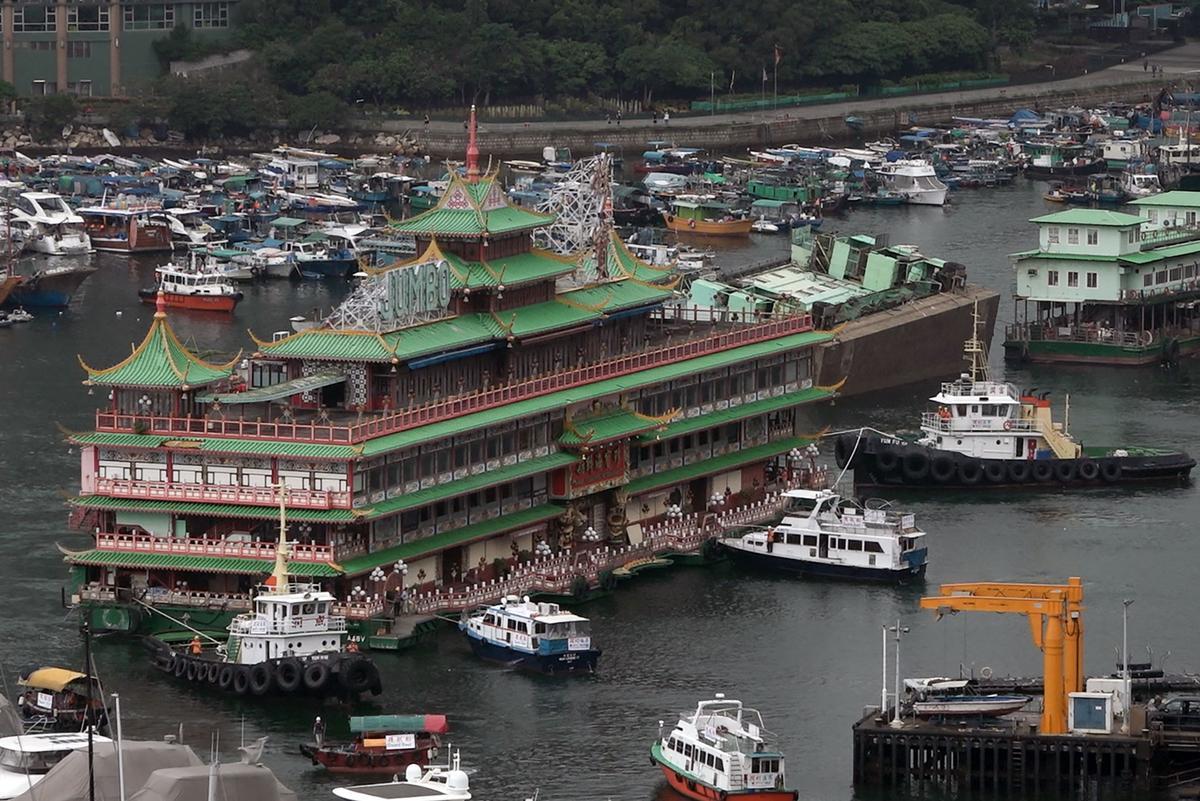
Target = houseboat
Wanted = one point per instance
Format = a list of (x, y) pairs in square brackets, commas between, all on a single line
[(456, 408), (127, 230), (54, 699), (382, 744), (822, 535), (180, 288), (721, 752), (536, 636), (708, 217), (48, 225), (985, 433)]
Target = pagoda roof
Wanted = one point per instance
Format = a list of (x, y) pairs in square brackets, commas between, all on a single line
[(609, 425), (472, 210), (507, 271), (623, 263), (160, 362)]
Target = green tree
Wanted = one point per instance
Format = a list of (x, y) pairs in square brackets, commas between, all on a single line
[(664, 65), (50, 114), (320, 110), (179, 45)]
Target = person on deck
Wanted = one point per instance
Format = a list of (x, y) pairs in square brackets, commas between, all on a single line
[(195, 647), (319, 731)]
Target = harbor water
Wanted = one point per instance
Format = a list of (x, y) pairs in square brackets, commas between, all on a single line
[(806, 653)]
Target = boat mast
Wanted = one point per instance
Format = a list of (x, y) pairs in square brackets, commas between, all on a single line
[(973, 350), (279, 574)]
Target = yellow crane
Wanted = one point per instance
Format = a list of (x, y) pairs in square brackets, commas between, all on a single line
[(1055, 613)]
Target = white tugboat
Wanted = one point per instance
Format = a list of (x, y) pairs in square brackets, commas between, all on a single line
[(291, 643), (535, 636), (820, 535), (983, 432), (943, 698), (442, 783), (721, 752)]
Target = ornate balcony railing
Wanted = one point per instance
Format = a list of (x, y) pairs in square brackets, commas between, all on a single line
[(192, 546), (212, 493), (456, 406)]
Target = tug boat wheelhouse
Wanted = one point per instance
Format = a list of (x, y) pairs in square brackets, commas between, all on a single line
[(721, 752), (820, 535), (989, 433), (382, 744), (537, 636)]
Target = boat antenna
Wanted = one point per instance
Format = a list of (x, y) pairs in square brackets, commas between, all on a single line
[(120, 747), (88, 717), (974, 352), (279, 574)]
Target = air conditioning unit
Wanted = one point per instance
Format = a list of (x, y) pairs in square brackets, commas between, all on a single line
[(1090, 713)]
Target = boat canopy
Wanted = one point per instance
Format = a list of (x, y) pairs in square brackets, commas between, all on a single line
[(399, 724), (285, 389), (287, 222), (53, 679)]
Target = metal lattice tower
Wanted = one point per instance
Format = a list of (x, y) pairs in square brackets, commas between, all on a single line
[(372, 305), (582, 201)]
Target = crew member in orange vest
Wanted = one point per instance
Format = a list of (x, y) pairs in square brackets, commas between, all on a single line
[(195, 647)]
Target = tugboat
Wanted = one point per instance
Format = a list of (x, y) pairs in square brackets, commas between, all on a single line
[(535, 636), (989, 433), (383, 744), (721, 752), (199, 291), (957, 698), (442, 783), (290, 644), (822, 535)]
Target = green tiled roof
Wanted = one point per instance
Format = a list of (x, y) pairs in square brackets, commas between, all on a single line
[(540, 317), (406, 343), (1041, 254), (462, 486), (623, 262), (1158, 254), (1101, 217), (536, 265), (617, 295), (739, 412), (201, 564), (715, 464), (471, 210), (300, 450), (598, 389), (450, 539), (161, 361), (1180, 198), (213, 509), (610, 425)]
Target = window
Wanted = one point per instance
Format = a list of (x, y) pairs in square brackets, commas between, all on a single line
[(1152, 215), (41, 87), (1092, 280), (1190, 271), (1072, 236), (810, 540), (1160, 277), (41, 44), (34, 18), (151, 17), (1052, 234), (79, 50), (1148, 279), (87, 18), (1052, 278), (1093, 236), (1176, 274), (211, 15), (1132, 237), (1073, 279)]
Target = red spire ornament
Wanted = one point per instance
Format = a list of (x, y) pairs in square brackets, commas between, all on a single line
[(472, 150)]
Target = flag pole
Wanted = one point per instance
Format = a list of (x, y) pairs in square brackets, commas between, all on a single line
[(712, 93)]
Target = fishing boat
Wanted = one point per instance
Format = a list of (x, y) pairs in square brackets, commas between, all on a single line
[(290, 643), (25, 760), (50, 288), (1055, 159), (442, 783), (54, 699), (721, 752), (820, 534), (127, 230), (986, 433), (383, 744), (535, 636), (704, 216), (199, 291), (955, 698)]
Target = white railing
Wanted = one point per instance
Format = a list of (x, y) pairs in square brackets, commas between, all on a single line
[(308, 624), (962, 425), (190, 546), (218, 493)]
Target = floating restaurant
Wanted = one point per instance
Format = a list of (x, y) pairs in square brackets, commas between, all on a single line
[(456, 414)]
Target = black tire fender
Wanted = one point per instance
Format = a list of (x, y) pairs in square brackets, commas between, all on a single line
[(289, 674), (1088, 470), (316, 676), (941, 468), (1066, 470), (970, 472), (1110, 470), (225, 677), (994, 472), (915, 465), (262, 678), (1042, 470), (241, 679), (1018, 471), (887, 460)]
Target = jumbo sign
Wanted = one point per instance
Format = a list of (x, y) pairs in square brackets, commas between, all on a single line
[(418, 290)]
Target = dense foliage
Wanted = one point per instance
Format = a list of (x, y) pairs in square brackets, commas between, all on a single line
[(419, 53)]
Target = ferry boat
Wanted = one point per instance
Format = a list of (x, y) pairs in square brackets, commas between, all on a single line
[(382, 744), (441, 783), (48, 225), (986, 433), (25, 760), (955, 698), (535, 636), (721, 752), (179, 288), (821, 535), (915, 180), (290, 643), (127, 230)]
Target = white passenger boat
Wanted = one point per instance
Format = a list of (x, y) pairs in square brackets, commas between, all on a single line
[(536, 636), (25, 760), (944, 697), (442, 783), (822, 535), (51, 226), (915, 180)]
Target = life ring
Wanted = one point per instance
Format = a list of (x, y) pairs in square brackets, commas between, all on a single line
[(1008, 425), (320, 620), (985, 672)]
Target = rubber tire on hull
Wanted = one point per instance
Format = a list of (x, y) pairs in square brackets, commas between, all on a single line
[(241, 679), (354, 675), (180, 669), (169, 665), (886, 461), (970, 472), (289, 674), (1066, 471), (262, 678), (1110, 470), (842, 449), (915, 465), (1042, 471), (225, 677), (941, 468), (212, 672), (316, 677), (994, 472), (1088, 470), (192, 669), (1018, 472)]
